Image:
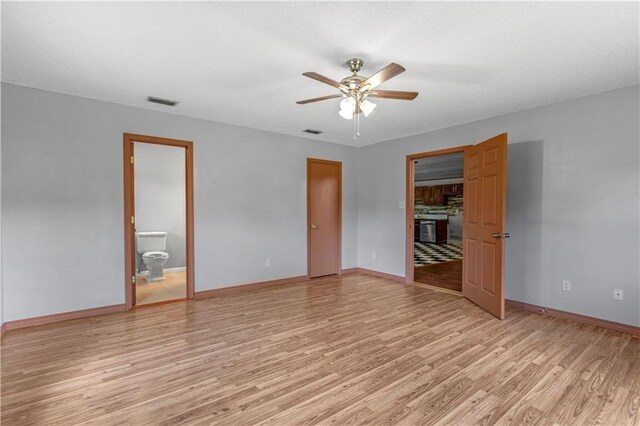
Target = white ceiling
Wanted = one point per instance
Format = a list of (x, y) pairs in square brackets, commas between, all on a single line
[(241, 63)]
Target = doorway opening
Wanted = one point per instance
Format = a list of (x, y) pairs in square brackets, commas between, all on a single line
[(433, 224), (158, 182), (438, 219)]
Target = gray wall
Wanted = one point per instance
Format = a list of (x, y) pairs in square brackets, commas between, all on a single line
[(573, 202), (62, 200), (1, 286), (160, 197)]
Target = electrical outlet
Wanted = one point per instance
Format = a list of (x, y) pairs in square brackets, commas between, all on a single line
[(267, 263), (373, 254), (566, 285), (618, 294), (401, 205)]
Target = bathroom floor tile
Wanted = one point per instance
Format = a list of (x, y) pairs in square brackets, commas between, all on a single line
[(174, 286)]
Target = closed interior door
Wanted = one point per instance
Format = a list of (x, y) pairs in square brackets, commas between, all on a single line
[(324, 217), (485, 185)]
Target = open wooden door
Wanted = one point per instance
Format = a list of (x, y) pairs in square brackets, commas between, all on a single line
[(129, 224), (485, 189), (324, 199)]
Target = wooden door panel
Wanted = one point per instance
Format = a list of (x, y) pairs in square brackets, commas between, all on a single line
[(470, 256), (490, 157), (489, 206), (488, 268), (324, 217), (470, 202), (472, 163), (484, 217)]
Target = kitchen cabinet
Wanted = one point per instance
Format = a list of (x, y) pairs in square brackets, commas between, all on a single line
[(454, 189), (426, 194), (418, 193), (441, 231), (433, 195), (437, 196)]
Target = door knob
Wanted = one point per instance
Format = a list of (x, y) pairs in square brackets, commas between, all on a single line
[(498, 235), (314, 227), (505, 235)]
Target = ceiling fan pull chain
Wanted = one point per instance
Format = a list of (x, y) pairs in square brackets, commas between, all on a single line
[(354, 127)]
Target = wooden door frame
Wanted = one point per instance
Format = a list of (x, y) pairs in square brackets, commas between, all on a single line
[(410, 202), (339, 164), (129, 208)]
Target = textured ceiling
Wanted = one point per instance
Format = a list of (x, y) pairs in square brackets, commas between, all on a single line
[(241, 63)]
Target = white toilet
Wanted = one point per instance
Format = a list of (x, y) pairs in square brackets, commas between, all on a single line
[(152, 246)]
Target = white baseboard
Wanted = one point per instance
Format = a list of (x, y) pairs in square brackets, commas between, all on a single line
[(166, 270)]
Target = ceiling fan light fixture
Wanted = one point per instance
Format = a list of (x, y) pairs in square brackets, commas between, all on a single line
[(367, 107), (348, 103), (347, 107), (346, 114)]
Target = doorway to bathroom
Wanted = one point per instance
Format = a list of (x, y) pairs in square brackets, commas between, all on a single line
[(158, 189)]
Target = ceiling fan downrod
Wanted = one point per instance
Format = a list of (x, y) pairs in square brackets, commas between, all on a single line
[(355, 65)]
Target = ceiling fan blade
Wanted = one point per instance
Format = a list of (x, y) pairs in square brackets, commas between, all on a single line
[(393, 94), (383, 75), (325, 80), (323, 98)]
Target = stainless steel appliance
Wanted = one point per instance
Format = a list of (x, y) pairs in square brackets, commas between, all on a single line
[(428, 231)]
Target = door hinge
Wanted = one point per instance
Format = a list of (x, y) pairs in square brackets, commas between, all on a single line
[(133, 219), (133, 279), (131, 159)]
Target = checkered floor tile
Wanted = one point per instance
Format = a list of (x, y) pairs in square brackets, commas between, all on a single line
[(430, 253)]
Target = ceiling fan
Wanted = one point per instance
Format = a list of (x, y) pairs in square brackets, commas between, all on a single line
[(355, 89)]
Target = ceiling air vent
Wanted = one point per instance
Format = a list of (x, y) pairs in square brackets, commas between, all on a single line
[(312, 131), (161, 101)]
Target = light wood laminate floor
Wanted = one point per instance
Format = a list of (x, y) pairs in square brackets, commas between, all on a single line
[(355, 349), (174, 286)]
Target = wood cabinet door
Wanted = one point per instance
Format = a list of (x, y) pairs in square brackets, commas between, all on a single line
[(418, 193), (485, 181), (441, 231), (449, 189), (426, 195), (437, 195)]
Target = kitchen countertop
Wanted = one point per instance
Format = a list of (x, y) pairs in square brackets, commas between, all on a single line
[(431, 216)]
